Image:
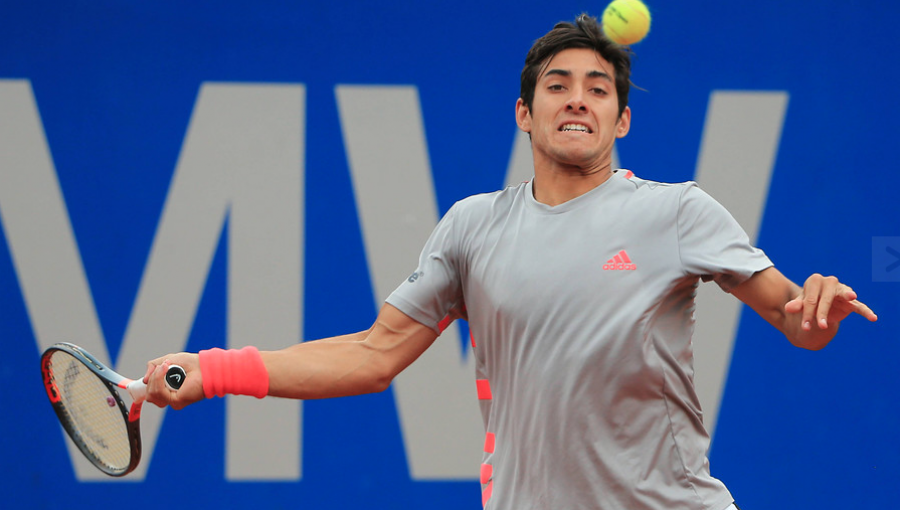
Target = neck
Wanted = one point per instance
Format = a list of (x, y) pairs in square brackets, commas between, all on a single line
[(556, 185)]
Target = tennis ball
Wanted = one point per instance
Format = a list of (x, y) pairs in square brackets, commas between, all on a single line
[(626, 21)]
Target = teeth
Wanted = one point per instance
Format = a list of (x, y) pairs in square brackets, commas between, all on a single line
[(575, 127)]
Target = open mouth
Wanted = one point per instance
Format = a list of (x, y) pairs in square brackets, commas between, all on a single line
[(575, 127)]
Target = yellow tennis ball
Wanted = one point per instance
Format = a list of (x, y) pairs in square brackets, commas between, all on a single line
[(626, 21)]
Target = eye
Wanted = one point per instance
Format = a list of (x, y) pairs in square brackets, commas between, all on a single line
[(598, 90), (555, 87)]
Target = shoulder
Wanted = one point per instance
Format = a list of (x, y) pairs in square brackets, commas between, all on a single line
[(658, 195), (684, 201), (653, 187), (474, 216), (481, 204)]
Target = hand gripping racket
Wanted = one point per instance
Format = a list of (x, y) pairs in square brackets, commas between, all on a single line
[(83, 393)]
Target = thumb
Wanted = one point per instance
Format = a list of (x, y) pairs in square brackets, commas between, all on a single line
[(151, 367), (795, 305)]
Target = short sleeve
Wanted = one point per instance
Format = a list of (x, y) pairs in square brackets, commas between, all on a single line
[(433, 290), (712, 244)]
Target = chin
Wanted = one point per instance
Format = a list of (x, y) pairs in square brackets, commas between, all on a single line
[(577, 158)]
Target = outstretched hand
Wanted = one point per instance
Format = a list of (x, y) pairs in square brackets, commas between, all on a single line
[(824, 302)]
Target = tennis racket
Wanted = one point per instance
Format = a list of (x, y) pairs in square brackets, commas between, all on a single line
[(84, 395)]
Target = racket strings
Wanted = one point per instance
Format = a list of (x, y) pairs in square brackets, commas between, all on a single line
[(92, 413)]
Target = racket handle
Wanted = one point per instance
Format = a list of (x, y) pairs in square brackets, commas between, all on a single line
[(175, 376)]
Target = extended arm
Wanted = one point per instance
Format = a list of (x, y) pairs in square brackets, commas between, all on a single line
[(354, 364), (809, 317)]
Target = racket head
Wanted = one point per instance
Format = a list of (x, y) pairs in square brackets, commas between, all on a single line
[(83, 393)]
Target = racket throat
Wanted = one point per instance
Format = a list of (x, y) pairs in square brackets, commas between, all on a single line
[(134, 414)]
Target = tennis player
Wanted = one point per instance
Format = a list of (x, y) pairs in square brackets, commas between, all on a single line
[(579, 291)]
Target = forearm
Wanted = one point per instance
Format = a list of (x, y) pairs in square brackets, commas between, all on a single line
[(364, 362), (332, 367)]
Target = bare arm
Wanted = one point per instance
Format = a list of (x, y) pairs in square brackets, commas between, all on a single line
[(363, 362), (809, 317)]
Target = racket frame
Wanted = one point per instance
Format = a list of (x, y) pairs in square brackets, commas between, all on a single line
[(112, 380)]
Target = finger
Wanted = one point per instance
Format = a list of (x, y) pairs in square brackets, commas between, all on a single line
[(811, 293), (158, 392), (847, 293), (154, 377), (150, 368), (825, 301), (865, 311), (831, 289), (152, 365)]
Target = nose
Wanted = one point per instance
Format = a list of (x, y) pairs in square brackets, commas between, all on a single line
[(576, 103)]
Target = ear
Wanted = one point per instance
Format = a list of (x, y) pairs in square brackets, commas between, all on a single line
[(624, 123), (523, 116)]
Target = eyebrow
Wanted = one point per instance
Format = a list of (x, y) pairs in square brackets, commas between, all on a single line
[(590, 74)]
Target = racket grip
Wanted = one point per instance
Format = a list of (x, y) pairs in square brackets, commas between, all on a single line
[(175, 377)]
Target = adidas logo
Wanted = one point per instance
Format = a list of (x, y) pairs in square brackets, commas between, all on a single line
[(620, 262)]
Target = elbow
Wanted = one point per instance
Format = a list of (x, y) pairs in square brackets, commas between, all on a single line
[(362, 381), (381, 384), (381, 378)]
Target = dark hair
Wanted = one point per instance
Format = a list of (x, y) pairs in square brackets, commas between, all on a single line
[(585, 33)]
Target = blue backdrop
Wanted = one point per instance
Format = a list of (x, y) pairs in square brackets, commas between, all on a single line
[(116, 83)]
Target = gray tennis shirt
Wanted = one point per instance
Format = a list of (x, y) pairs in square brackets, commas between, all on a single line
[(581, 316)]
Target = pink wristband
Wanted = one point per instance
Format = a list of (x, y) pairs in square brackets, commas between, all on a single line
[(235, 372)]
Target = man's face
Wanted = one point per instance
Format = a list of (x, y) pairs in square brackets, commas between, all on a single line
[(574, 119)]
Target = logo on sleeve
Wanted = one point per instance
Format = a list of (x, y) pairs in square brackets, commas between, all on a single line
[(415, 276), (621, 262)]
